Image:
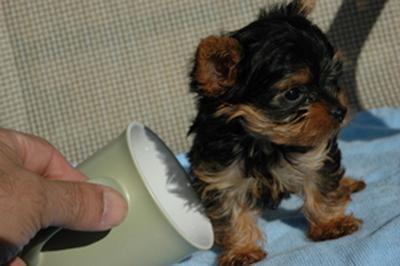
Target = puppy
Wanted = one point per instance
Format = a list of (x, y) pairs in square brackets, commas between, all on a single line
[(269, 112)]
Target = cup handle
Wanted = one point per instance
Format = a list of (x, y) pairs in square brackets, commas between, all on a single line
[(30, 253)]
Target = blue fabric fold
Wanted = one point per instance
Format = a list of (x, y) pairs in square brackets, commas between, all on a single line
[(371, 151)]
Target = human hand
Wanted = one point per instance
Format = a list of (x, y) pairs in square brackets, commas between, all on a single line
[(38, 188)]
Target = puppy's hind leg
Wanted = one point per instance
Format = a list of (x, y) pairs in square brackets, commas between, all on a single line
[(352, 184)]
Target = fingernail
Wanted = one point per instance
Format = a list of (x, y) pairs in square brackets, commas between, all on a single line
[(115, 209)]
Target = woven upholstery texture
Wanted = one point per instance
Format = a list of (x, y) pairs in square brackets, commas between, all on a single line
[(77, 72)]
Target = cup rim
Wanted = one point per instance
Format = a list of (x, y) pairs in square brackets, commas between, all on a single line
[(151, 192)]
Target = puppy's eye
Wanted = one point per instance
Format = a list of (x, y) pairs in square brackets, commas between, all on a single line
[(293, 94)]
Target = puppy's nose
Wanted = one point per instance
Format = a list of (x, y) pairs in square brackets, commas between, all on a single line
[(339, 113)]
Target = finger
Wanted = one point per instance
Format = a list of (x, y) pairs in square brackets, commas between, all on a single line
[(42, 158), (83, 206), (17, 262)]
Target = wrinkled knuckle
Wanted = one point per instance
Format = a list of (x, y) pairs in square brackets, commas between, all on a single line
[(27, 201), (83, 207), (77, 202), (36, 195)]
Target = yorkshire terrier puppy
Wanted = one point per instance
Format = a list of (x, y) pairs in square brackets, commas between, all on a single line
[(269, 112)]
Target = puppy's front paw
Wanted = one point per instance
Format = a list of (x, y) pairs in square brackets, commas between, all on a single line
[(241, 257), (335, 228)]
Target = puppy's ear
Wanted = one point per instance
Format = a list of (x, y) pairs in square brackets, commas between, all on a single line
[(216, 65), (301, 7)]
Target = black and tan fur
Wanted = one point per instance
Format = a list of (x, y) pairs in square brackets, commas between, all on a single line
[(269, 112)]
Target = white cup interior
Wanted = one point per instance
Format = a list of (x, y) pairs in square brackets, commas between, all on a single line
[(169, 186)]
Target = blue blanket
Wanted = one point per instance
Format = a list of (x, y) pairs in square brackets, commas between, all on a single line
[(371, 151)]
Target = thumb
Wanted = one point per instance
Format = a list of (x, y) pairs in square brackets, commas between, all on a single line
[(82, 206)]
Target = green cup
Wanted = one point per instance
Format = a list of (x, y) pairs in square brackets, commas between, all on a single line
[(165, 221)]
